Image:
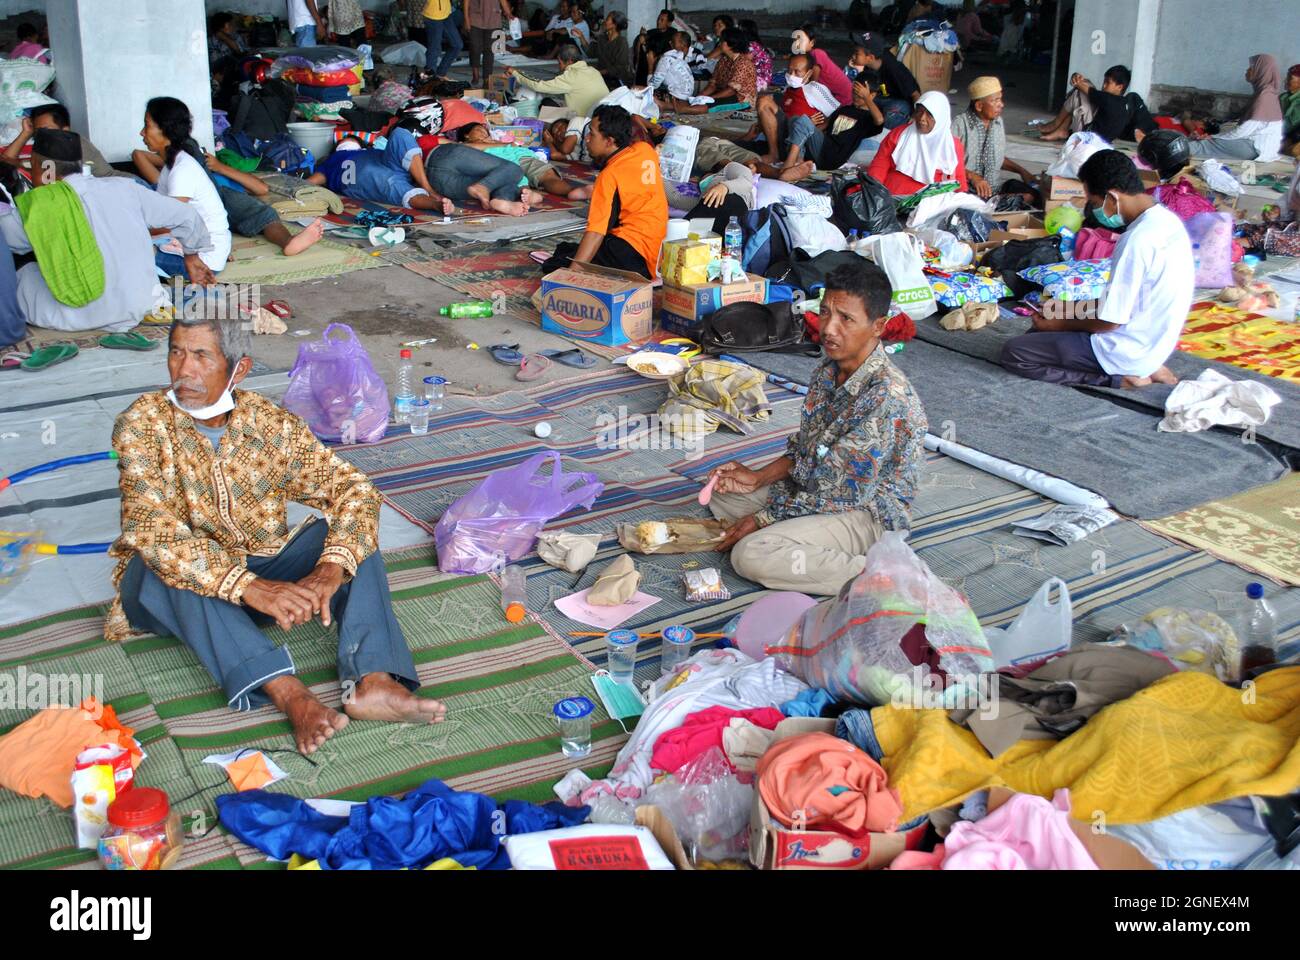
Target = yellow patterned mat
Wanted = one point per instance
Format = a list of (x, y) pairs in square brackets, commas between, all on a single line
[(1251, 341)]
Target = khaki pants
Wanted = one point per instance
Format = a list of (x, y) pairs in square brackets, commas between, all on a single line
[(535, 170), (714, 152), (816, 554)]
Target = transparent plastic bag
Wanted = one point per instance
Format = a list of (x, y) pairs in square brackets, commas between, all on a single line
[(1042, 631), (1193, 639), (334, 387), (498, 520), (16, 552), (708, 806), (853, 645)]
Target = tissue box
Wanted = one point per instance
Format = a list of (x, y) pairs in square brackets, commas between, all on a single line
[(684, 259)]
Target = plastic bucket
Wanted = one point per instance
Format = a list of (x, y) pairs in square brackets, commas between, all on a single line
[(528, 108), (316, 136)]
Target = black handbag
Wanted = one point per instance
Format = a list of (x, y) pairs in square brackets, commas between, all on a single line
[(753, 327)]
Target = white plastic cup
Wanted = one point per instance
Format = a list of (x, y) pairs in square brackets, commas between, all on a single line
[(621, 648), (435, 391)]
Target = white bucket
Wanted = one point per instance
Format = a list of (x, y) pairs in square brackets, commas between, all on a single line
[(314, 135)]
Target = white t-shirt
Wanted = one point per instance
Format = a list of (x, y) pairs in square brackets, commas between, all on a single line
[(1152, 277), (186, 178), (299, 15), (1266, 135), (582, 27)]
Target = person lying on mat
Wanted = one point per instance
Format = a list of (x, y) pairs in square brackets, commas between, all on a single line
[(922, 152), (394, 175), (628, 218), (206, 555), (91, 236), (536, 171), (805, 521), (1127, 339)]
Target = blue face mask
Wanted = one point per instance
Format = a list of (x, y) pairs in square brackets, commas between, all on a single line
[(1109, 221)]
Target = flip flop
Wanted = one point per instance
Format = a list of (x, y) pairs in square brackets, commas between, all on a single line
[(540, 256), (127, 341), (506, 353), (160, 316), (13, 360), (534, 366), (279, 308), (570, 358), (46, 357)]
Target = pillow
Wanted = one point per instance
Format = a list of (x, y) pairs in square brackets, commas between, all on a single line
[(1070, 280), (961, 288)]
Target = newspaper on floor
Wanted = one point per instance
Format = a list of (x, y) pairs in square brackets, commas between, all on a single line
[(1065, 525)]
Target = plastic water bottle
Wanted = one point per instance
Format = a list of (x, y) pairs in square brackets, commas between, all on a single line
[(514, 598), (851, 241), (467, 308), (404, 397), (1067, 237), (1259, 642), (733, 240)]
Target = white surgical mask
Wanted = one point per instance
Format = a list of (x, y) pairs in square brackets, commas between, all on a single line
[(224, 404), (793, 82)]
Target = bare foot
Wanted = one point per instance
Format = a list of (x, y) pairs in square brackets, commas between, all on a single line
[(530, 197), (798, 171), (1164, 375), (1053, 137), (305, 237), (510, 207), (379, 697), (581, 193), (481, 194), (313, 722), (1132, 383)]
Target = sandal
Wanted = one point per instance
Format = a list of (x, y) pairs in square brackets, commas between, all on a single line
[(45, 357), (534, 366), (540, 256), (506, 353), (570, 358), (13, 360), (127, 341), (279, 308)]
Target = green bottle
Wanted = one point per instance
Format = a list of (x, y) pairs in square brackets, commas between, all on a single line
[(467, 308)]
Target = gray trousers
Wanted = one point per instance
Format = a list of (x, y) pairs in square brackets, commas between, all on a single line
[(1227, 148), (816, 555), (1056, 357), (241, 658), (453, 168)]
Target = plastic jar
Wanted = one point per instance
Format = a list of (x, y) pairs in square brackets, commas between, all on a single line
[(142, 833)]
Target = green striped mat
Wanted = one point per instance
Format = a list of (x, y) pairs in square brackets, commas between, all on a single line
[(498, 680)]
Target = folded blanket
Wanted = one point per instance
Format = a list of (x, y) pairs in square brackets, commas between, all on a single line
[(63, 242), (308, 201)]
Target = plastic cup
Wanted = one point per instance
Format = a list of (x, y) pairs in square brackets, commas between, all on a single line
[(676, 648), (621, 647), (435, 391), (573, 714), (419, 421)]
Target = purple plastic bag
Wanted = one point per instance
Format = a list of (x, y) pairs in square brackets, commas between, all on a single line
[(498, 521), (1211, 235), (334, 387)]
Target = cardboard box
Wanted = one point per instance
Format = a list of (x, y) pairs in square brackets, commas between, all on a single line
[(1058, 191), (478, 93), (606, 306), (1150, 178), (933, 71), (776, 847), (685, 306), (681, 257), (1019, 226), (648, 815)]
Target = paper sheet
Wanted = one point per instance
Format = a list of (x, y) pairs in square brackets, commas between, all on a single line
[(576, 607)]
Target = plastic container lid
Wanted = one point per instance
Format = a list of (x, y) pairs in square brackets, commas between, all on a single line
[(421, 402), (406, 354), (622, 638), (573, 708), (436, 381), (139, 807), (515, 611), (679, 635), (1255, 591)]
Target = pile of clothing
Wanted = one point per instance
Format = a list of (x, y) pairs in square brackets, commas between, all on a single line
[(935, 36), (321, 75)]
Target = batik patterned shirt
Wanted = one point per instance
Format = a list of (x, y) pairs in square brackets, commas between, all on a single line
[(194, 515), (859, 447)]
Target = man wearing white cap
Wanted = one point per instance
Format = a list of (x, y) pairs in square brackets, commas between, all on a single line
[(984, 139)]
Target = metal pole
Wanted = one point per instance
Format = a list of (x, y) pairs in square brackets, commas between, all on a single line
[(1056, 53)]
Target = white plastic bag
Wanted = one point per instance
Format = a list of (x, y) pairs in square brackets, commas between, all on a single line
[(1043, 630), (641, 103), (410, 54), (898, 254), (22, 83), (1075, 153), (516, 29)]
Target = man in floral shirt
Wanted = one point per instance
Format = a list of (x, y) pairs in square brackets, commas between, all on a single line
[(206, 554), (804, 521)]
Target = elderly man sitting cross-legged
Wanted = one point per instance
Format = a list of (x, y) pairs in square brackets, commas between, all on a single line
[(207, 556), (805, 521)]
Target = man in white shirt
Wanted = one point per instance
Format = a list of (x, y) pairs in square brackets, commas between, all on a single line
[(1126, 341), (671, 70), (305, 23), (120, 213)]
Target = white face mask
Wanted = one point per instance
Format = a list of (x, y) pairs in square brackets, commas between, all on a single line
[(224, 404), (793, 82)]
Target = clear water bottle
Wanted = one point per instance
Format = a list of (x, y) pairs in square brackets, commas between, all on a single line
[(1067, 237), (851, 241), (514, 597), (1259, 623), (404, 395), (733, 240)]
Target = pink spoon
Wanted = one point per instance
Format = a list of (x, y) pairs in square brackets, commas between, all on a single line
[(707, 493)]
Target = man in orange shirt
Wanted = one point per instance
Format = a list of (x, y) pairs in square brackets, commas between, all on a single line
[(629, 210)]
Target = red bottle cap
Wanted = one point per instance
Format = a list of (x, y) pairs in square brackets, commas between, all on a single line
[(139, 807), (406, 354)]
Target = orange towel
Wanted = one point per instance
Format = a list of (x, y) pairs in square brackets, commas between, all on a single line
[(37, 757), (823, 782)]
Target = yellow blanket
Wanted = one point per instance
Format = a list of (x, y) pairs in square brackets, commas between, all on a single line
[(1184, 741)]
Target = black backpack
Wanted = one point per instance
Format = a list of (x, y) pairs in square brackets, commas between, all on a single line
[(752, 327), (809, 273), (263, 110)]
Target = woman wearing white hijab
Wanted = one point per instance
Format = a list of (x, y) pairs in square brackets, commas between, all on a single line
[(921, 152)]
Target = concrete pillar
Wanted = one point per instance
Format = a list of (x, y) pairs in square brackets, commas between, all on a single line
[(1107, 33), (641, 14), (112, 56)]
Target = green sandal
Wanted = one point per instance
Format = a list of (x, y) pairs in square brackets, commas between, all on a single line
[(127, 341), (46, 357)]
